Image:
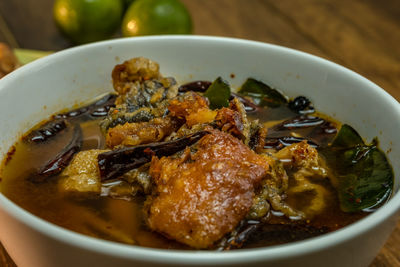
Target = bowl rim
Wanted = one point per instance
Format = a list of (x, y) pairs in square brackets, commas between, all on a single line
[(284, 251)]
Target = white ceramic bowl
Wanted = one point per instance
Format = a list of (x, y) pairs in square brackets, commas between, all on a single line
[(42, 88)]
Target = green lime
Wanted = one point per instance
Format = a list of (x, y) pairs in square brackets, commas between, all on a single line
[(84, 21), (148, 17)]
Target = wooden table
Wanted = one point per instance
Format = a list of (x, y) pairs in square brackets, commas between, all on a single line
[(363, 35)]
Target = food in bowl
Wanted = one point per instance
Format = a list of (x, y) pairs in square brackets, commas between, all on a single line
[(196, 166)]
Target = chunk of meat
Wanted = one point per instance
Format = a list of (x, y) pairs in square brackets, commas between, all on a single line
[(148, 93), (257, 135), (234, 120), (143, 102), (185, 131), (302, 156), (82, 174), (193, 108), (202, 196), (143, 94), (132, 134), (306, 166), (272, 192), (135, 69)]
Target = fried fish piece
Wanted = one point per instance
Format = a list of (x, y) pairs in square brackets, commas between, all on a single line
[(234, 120), (143, 94), (136, 133), (193, 108), (199, 197), (135, 69)]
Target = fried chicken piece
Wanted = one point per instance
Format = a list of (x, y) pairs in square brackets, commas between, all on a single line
[(132, 134), (8, 61), (193, 108), (200, 197)]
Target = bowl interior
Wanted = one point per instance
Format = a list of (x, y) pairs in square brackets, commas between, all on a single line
[(76, 75)]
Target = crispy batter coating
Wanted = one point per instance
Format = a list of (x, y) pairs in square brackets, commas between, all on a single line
[(193, 108), (302, 156), (234, 120), (257, 135), (229, 121), (132, 134), (143, 94), (147, 93), (135, 69), (202, 196)]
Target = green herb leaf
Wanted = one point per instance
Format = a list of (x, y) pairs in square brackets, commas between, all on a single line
[(369, 181), (262, 94), (218, 94), (365, 177), (347, 137)]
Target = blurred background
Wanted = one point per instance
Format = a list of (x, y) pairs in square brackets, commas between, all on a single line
[(363, 35)]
